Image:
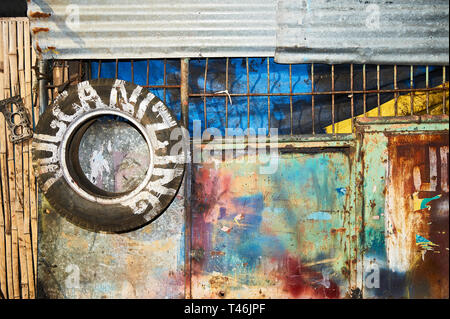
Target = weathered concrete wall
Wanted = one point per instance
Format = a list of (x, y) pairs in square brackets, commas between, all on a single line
[(146, 263)]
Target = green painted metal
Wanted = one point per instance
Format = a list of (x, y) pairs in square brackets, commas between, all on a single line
[(382, 241)]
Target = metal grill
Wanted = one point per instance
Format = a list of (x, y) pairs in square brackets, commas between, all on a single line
[(357, 88)]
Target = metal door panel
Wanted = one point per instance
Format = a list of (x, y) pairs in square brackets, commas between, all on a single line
[(283, 235)]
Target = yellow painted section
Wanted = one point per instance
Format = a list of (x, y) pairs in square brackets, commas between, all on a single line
[(404, 108)]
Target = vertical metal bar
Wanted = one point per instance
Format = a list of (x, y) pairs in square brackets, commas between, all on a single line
[(148, 73), (411, 86), (184, 97), (312, 98), (443, 91), (364, 89), (248, 96), (52, 95), (165, 81), (80, 72), (204, 93), (89, 71), (226, 98), (132, 73), (184, 93), (290, 97), (427, 84), (43, 92), (65, 71), (332, 99), (352, 97), (395, 88), (268, 96), (117, 68), (378, 89), (99, 68)]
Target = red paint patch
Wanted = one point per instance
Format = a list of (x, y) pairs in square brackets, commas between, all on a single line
[(302, 282)]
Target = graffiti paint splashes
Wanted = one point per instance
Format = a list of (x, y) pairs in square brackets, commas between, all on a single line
[(238, 218), (98, 166), (303, 282), (423, 203), (226, 229), (424, 243)]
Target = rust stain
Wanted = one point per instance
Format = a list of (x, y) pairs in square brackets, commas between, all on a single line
[(416, 195), (217, 253), (38, 15), (38, 48), (218, 281), (40, 29), (337, 230), (51, 49)]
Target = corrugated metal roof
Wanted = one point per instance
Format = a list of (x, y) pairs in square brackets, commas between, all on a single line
[(355, 31), (295, 31), (153, 28)]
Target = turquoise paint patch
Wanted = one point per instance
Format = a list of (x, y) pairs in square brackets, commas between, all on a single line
[(425, 243), (421, 240), (425, 201), (319, 216)]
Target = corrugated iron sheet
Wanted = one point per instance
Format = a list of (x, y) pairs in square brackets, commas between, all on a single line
[(153, 28), (351, 31), (413, 32)]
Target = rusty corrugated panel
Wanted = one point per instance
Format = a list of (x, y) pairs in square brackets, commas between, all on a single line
[(351, 31), (153, 28)]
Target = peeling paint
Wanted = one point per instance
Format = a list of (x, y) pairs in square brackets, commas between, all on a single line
[(280, 244)]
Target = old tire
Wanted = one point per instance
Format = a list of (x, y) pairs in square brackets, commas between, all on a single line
[(55, 151)]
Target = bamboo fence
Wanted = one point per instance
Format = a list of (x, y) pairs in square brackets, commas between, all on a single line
[(18, 215)]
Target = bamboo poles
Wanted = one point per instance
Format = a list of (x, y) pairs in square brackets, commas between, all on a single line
[(33, 183), (29, 197), (18, 85), (18, 216), (4, 195), (14, 87), (5, 177)]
